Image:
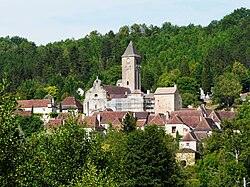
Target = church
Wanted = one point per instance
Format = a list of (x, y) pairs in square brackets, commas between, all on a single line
[(127, 94)]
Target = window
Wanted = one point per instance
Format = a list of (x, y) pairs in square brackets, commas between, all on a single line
[(127, 82), (187, 144), (95, 106), (96, 95), (183, 163), (173, 129)]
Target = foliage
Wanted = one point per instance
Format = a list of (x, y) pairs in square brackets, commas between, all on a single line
[(148, 160), (226, 159), (9, 139), (226, 89), (53, 158), (30, 124), (128, 123), (202, 53)]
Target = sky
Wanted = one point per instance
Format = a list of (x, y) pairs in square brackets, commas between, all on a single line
[(45, 21)]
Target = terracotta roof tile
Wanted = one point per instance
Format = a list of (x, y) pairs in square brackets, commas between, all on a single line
[(157, 119), (206, 124), (227, 114), (34, 103), (117, 123), (140, 115), (71, 102), (190, 136), (141, 123), (54, 123), (191, 121), (175, 120), (116, 91), (109, 116), (187, 112), (215, 116), (200, 135), (91, 121), (22, 113)]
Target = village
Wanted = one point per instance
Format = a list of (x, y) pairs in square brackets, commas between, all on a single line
[(105, 107)]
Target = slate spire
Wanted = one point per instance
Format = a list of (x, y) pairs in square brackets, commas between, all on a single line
[(131, 51)]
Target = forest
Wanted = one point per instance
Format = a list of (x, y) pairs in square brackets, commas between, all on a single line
[(191, 56)]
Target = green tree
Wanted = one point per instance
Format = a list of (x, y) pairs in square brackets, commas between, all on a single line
[(243, 75), (149, 160), (227, 89), (226, 159), (128, 123), (9, 139), (30, 124), (54, 158)]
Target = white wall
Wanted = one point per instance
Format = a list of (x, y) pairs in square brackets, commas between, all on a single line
[(188, 144), (181, 128)]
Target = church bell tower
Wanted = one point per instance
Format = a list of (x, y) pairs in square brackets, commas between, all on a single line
[(131, 68)]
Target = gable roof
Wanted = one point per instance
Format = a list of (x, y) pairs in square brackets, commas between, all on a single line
[(141, 123), (116, 91), (109, 116), (54, 123), (157, 119), (140, 115), (206, 124), (206, 111), (91, 121), (22, 113), (34, 103), (187, 112), (175, 120), (200, 135), (191, 121), (190, 136), (227, 114), (71, 102), (131, 51), (215, 116)]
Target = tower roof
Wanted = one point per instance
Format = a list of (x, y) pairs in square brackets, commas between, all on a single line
[(131, 51)]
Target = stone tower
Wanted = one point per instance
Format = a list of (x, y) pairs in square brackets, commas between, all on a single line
[(131, 68)]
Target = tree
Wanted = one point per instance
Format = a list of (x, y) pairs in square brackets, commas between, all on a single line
[(226, 89), (226, 159), (243, 75), (30, 124), (128, 123), (59, 154), (9, 139), (149, 159), (189, 90)]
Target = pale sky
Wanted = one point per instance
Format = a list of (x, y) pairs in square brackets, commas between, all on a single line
[(44, 21)]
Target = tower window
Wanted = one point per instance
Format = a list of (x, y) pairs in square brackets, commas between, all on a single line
[(127, 82)]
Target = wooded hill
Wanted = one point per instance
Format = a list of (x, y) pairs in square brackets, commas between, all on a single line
[(169, 52)]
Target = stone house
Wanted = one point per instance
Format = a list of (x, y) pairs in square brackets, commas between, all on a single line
[(167, 99)]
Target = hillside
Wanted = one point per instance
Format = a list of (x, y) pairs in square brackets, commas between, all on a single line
[(202, 53)]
